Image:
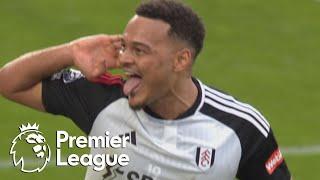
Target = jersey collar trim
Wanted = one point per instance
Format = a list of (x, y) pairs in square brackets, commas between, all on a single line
[(192, 110)]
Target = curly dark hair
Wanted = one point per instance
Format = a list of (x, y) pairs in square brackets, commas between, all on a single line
[(184, 23)]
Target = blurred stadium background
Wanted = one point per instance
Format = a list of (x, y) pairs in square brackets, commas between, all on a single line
[(263, 52)]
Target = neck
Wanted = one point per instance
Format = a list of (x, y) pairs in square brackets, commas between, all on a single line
[(181, 96)]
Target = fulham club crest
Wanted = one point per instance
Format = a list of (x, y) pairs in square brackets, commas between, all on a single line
[(205, 157)]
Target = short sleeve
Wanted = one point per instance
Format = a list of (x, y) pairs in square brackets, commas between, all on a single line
[(265, 162), (70, 94)]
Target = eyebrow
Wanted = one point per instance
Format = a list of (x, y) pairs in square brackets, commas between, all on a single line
[(136, 43)]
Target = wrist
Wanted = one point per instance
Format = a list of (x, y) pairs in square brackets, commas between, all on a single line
[(67, 54)]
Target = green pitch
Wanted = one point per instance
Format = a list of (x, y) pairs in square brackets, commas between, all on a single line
[(263, 52)]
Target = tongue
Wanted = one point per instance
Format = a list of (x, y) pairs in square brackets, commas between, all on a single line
[(130, 85)]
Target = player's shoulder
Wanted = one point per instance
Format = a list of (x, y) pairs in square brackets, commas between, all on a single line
[(69, 93), (94, 94), (74, 77), (243, 118)]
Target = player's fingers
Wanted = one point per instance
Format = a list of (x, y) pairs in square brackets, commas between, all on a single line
[(115, 38), (109, 39), (117, 63), (112, 41), (117, 45)]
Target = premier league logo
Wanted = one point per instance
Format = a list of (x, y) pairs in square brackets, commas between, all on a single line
[(38, 150)]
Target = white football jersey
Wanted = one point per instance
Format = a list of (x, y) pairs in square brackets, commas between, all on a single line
[(218, 138)]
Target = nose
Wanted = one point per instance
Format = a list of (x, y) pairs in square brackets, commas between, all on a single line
[(125, 58)]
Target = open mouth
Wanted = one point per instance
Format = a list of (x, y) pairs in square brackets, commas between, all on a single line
[(132, 83)]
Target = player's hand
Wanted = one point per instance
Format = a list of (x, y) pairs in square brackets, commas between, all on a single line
[(96, 54)]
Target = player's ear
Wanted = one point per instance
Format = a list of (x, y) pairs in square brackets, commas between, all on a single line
[(183, 60)]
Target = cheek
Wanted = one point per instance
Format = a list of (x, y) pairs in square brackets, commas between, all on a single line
[(156, 75), (156, 85), (157, 69)]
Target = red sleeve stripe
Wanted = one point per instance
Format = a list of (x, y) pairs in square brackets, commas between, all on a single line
[(109, 79)]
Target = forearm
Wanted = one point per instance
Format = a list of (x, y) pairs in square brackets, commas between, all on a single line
[(20, 80), (28, 70)]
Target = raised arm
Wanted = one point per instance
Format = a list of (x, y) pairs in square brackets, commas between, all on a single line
[(20, 79)]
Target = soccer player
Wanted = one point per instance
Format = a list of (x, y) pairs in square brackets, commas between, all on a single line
[(179, 128)]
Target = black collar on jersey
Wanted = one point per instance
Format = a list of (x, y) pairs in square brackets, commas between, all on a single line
[(187, 113)]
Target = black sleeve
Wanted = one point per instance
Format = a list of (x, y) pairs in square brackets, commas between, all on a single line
[(70, 94), (265, 162)]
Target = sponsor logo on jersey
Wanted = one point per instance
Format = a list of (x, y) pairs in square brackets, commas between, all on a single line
[(112, 174), (274, 161), (113, 171), (205, 157)]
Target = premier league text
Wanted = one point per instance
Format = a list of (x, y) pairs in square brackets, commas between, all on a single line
[(98, 161)]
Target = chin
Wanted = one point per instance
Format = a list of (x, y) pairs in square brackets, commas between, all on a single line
[(135, 104)]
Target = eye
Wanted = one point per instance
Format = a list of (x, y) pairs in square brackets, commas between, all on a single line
[(138, 52)]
